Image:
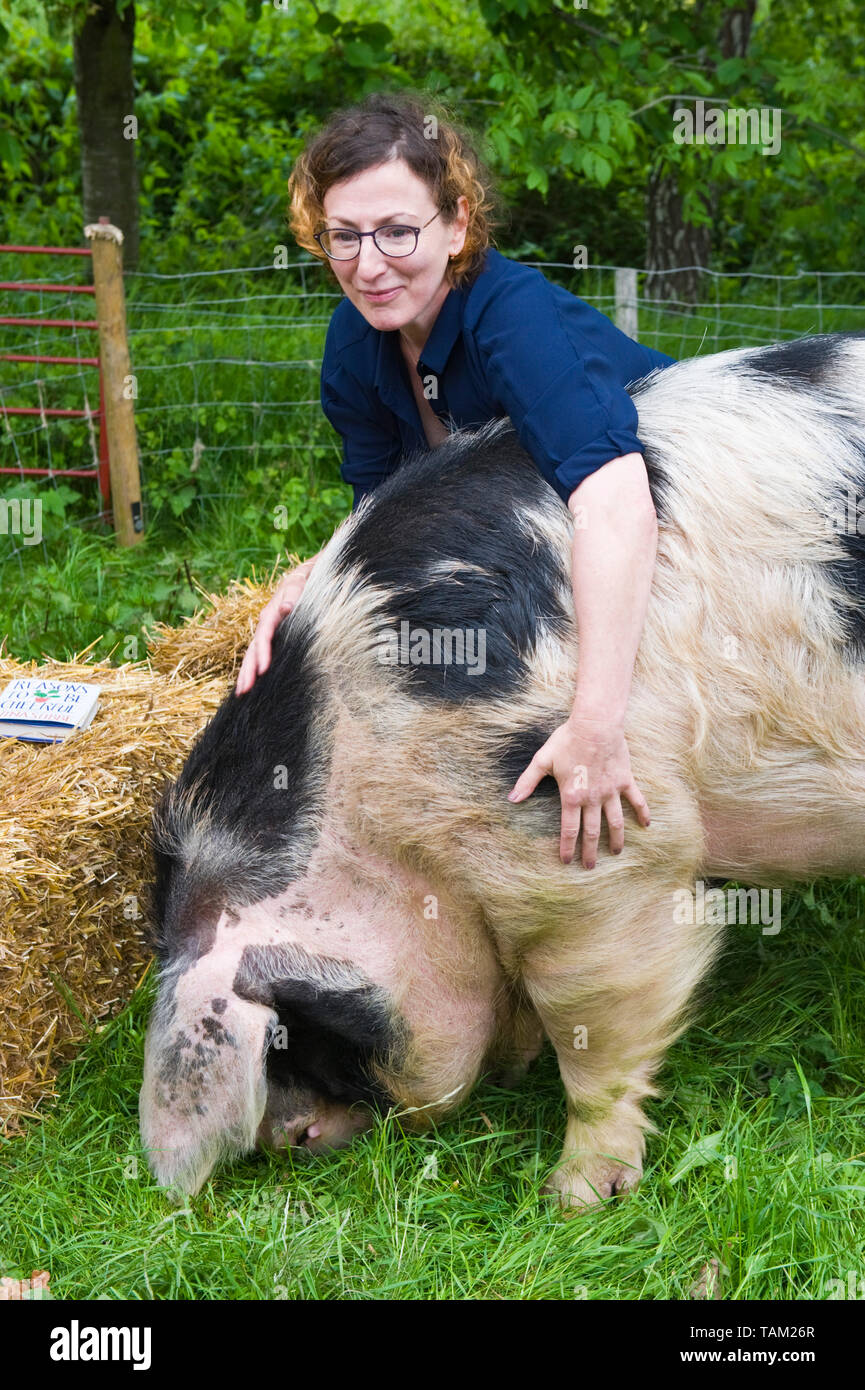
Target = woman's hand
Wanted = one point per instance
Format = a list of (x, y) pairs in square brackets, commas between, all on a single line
[(285, 596), (615, 540), (590, 761)]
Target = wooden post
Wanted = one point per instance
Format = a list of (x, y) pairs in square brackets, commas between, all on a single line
[(626, 301), (118, 381)]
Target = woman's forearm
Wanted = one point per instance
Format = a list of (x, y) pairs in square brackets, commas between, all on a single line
[(615, 544)]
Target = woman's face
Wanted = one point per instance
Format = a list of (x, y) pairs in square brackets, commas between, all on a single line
[(394, 292)]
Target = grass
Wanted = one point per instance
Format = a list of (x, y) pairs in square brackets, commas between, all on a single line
[(80, 589), (759, 1162)]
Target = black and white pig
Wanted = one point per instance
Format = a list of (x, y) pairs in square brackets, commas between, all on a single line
[(350, 915)]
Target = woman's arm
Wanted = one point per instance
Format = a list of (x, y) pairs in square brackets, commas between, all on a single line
[(615, 543), (285, 596)]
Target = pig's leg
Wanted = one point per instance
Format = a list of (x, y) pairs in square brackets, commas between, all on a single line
[(612, 996), (520, 1043)]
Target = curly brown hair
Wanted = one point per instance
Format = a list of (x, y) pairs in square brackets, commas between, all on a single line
[(388, 126)]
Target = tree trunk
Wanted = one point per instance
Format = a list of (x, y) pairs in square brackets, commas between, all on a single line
[(670, 241), (102, 48), (735, 32)]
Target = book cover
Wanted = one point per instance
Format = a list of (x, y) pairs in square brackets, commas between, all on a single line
[(46, 711)]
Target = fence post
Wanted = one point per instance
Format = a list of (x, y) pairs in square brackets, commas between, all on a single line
[(626, 301), (116, 374)]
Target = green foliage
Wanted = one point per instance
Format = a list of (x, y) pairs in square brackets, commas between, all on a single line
[(574, 108), (78, 588), (591, 96)]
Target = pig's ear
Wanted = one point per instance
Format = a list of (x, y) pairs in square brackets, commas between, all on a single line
[(205, 1088)]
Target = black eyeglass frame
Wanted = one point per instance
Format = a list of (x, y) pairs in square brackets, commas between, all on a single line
[(403, 226)]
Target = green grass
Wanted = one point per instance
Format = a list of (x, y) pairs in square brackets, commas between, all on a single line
[(79, 588), (759, 1162)]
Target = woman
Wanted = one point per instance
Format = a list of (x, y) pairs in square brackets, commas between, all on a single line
[(437, 329)]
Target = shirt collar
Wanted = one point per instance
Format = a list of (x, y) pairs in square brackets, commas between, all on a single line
[(445, 331), (388, 380), (437, 349)]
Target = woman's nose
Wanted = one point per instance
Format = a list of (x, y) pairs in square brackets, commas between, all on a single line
[(370, 260)]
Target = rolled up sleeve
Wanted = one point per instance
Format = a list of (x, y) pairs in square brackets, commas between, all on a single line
[(559, 371)]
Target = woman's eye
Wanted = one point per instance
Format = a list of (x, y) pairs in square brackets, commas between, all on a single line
[(396, 233)]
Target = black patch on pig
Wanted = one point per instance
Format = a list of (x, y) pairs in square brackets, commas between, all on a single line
[(517, 752), (848, 573), (804, 363), (460, 503), (219, 1005), (217, 1034), (658, 477), (659, 480), (223, 834), (181, 1063), (814, 366), (541, 812), (334, 1034)]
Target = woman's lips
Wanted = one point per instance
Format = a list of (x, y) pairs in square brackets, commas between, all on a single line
[(383, 297)]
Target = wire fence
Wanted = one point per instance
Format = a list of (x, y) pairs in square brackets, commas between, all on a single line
[(226, 365)]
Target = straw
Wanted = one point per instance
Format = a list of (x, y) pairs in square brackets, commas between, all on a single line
[(74, 818)]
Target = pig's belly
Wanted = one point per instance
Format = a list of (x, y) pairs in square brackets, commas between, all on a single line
[(759, 845)]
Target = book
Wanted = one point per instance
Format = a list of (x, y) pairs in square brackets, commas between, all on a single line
[(46, 711)]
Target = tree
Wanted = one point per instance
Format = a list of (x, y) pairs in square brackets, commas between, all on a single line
[(103, 43), (671, 240), (593, 97), (103, 37)]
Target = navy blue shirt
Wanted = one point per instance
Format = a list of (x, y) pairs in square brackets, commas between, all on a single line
[(509, 344)]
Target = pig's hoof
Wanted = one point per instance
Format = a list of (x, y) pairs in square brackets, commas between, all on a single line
[(580, 1185)]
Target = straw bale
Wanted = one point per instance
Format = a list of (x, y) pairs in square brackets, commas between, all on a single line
[(217, 635), (74, 818)]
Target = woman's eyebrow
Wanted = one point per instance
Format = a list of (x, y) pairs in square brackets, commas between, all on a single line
[(383, 222)]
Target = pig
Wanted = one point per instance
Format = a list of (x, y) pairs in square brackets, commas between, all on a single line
[(349, 915)]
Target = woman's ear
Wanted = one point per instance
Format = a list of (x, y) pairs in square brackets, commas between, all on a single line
[(460, 225)]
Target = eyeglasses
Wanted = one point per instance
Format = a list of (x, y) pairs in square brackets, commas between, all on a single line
[(341, 244)]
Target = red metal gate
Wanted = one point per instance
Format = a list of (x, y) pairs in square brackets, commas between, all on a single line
[(102, 471)]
